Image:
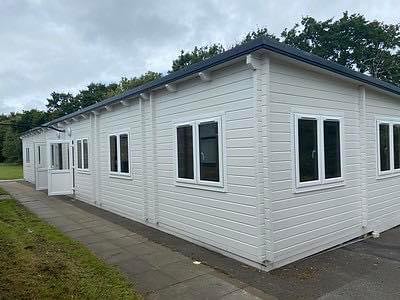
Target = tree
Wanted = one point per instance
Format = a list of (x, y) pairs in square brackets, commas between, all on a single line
[(11, 149), (126, 84), (369, 47), (60, 104), (258, 33), (197, 54)]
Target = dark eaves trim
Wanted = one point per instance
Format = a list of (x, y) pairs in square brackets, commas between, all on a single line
[(257, 44)]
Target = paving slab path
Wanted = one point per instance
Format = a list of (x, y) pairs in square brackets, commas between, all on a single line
[(161, 265), (157, 271)]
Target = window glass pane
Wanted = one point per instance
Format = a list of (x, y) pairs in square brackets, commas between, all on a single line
[(332, 149), (384, 146), (396, 145), (124, 153), (28, 159), (39, 158), (208, 155), (308, 149), (79, 153), (185, 151), (113, 154), (85, 154)]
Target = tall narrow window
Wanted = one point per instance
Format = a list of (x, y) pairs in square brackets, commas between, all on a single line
[(318, 150), (27, 156), (85, 154), (384, 147), (113, 154), (119, 154), (124, 155), (208, 151), (79, 153), (308, 149), (332, 149), (396, 145), (185, 151)]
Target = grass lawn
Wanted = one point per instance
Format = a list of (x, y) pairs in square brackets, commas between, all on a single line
[(39, 262), (10, 171)]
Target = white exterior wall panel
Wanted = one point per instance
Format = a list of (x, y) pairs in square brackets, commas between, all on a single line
[(225, 220), (383, 194), (306, 222), (123, 196)]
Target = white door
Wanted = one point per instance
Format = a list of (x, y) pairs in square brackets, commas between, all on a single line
[(41, 166), (60, 170)]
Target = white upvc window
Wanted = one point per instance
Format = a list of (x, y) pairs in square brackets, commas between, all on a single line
[(82, 154), (27, 155), (318, 150), (199, 152), (388, 147), (119, 154)]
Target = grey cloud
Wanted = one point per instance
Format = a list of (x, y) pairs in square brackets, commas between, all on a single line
[(64, 45)]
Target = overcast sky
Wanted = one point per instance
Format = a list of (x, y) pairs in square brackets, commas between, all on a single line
[(48, 45)]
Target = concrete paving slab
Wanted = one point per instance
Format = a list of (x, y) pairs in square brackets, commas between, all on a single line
[(152, 281), (185, 270), (164, 257), (127, 241), (136, 266)]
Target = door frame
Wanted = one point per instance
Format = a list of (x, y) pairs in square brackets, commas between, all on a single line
[(68, 190)]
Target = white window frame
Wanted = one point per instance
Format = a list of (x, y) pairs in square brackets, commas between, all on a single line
[(197, 182), (82, 169), (27, 155), (321, 182), (118, 173), (392, 171)]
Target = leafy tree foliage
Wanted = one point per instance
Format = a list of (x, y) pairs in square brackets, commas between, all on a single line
[(369, 47), (197, 54)]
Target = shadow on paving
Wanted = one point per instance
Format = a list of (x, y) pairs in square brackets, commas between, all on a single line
[(368, 269)]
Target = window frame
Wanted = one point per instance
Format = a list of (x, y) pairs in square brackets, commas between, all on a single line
[(82, 169), (196, 182), (118, 173), (322, 181), (392, 171)]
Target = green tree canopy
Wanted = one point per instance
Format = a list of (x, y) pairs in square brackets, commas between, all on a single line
[(369, 47)]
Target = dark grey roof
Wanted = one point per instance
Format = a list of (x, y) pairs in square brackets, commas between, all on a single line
[(260, 43)]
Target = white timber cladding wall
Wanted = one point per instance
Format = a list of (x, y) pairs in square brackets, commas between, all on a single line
[(83, 178), (29, 169), (226, 220), (123, 195), (383, 193), (307, 222)]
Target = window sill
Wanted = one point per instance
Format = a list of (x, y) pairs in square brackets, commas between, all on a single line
[(388, 175), (213, 188), (318, 187), (121, 176), (83, 171)]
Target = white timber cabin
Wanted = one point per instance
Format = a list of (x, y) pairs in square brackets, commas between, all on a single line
[(263, 153)]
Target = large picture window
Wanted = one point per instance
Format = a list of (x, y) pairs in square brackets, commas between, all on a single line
[(82, 154), (119, 154), (199, 152), (388, 136), (318, 150)]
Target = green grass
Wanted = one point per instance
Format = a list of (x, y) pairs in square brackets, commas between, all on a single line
[(10, 171), (39, 262)]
